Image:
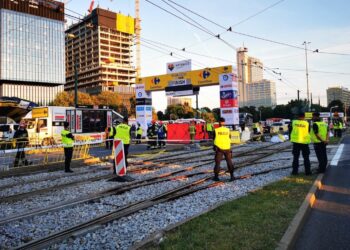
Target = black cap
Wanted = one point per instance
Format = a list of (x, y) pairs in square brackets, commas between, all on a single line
[(317, 114), (125, 119), (222, 119), (301, 114), (66, 124)]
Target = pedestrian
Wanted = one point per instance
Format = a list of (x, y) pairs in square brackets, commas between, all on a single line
[(337, 125), (222, 147), (152, 135), (319, 137), (139, 132), (68, 144), (192, 131), (161, 133), (21, 141), (123, 133), (300, 137), (210, 129)]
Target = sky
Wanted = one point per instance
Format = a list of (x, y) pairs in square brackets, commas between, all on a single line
[(325, 24)]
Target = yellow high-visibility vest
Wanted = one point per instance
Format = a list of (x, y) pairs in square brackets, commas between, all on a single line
[(67, 142), (300, 132), (123, 133), (209, 127), (222, 138), (322, 132), (192, 129), (139, 131)]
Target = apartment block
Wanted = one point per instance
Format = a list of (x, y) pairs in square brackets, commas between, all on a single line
[(338, 93), (262, 93)]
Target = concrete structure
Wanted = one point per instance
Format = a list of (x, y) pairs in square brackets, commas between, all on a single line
[(32, 49), (249, 70), (262, 93), (179, 101), (338, 93), (102, 49)]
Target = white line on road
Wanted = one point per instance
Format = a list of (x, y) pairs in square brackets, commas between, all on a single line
[(337, 155)]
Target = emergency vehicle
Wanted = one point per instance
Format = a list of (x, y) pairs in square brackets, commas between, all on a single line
[(44, 124)]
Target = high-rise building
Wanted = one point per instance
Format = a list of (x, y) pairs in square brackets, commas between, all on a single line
[(262, 93), (338, 93), (101, 48), (32, 49), (179, 101), (249, 70)]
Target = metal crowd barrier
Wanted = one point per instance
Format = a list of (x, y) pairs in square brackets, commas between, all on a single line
[(33, 155)]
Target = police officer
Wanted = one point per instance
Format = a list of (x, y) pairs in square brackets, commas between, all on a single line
[(123, 133), (222, 147), (21, 139), (337, 125), (192, 131), (152, 135), (300, 137), (210, 129), (68, 143), (139, 132), (319, 137)]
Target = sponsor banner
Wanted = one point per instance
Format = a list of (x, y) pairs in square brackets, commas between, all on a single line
[(141, 92), (40, 112), (228, 81), (227, 94), (202, 77), (179, 93), (179, 82), (59, 115), (180, 66), (231, 115), (229, 103), (143, 101), (78, 121)]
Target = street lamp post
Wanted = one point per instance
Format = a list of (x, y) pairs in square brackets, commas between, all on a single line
[(76, 82), (331, 112)]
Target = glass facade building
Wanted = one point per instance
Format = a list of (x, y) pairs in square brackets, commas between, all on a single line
[(32, 48)]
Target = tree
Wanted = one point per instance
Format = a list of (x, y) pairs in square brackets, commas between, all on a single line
[(132, 110), (66, 99), (216, 113), (108, 98), (338, 103)]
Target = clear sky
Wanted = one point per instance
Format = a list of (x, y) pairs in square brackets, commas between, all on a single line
[(326, 24)]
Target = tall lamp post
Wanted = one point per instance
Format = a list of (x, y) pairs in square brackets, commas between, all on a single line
[(334, 107)]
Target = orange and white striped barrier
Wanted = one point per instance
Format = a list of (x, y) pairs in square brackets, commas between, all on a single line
[(119, 158)]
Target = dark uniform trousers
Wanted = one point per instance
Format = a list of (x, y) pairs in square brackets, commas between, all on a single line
[(218, 156), (321, 153), (304, 148), (68, 154), (20, 156)]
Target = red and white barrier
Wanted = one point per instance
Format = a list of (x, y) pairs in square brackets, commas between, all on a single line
[(119, 158)]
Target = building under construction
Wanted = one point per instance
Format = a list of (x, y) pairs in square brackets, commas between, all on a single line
[(101, 48)]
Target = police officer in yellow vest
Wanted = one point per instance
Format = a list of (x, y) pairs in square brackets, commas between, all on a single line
[(210, 129), (337, 125), (319, 137), (222, 147), (68, 143), (139, 132), (300, 137), (123, 133)]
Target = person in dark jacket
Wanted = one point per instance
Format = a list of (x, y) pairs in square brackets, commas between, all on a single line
[(161, 135), (21, 138), (152, 135)]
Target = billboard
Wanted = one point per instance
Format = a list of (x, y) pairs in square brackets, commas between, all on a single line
[(180, 66), (202, 77), (125, 24), (229, 98)]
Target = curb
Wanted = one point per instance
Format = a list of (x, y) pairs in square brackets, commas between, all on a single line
[(290, 236)]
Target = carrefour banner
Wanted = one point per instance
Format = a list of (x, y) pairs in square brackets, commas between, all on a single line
[(229, 98)]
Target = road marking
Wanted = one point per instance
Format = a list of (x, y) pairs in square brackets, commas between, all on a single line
[(337, 155)]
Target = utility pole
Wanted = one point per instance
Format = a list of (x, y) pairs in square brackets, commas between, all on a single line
[(311, 99), (305, 43), (298, 94), (76, 81), (319, 101), (243, 85)]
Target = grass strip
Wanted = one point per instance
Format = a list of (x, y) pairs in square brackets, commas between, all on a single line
[(256, 221)]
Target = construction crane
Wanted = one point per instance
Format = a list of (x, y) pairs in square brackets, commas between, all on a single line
[(91, 6), (138, 38)]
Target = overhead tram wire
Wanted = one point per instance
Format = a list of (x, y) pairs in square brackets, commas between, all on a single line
[(229, 29), (198, 27)]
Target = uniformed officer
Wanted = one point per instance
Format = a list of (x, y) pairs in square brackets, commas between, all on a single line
[(300, 137), (337, 125), (192, 130), (68, 143), (210, 129), (319, 137), (222, 147), (123, 133), (139, 132), (21, 141)]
